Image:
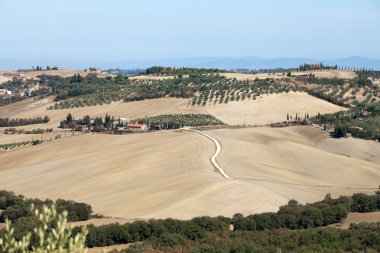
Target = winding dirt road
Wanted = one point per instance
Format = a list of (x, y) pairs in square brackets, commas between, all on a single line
[(225, 175), (217, 151)]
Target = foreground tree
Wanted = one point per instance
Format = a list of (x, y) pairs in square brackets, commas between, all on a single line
[(52, 235)]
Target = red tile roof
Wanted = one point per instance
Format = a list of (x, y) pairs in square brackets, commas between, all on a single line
[(136, 125)]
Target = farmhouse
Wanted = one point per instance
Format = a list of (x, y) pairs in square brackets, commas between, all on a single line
[(244, 71), (141, 127), (96, 70), (374, 80), (4, 92), (314, 65), (52, 68)]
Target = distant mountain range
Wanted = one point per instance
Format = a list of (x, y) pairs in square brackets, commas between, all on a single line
[(200, 62)]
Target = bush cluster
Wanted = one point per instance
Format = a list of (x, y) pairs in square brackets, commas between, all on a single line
[(6, 122), (167, 230), (361, 238), (175, 121), (297, 216), (16, 207)]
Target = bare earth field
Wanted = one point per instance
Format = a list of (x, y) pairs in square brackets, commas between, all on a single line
[(243, 77), (150, 77), (8, 75), (168, 173), (327, 74), (358, 218), (270, 108), (321, 73), (4, 79), (164, 174), (108, 248), (294, 163)]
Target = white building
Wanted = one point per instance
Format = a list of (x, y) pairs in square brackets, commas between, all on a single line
[(4, 92)]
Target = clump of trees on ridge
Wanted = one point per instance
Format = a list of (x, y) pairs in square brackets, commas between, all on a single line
[(6, 122)]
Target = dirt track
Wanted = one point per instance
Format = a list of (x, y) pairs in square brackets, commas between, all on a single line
[(225, 175), (217, 152)]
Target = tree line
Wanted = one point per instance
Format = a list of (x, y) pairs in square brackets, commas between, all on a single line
[(320, 66), (358, 238), (294, 227), (297, 216), (292, 216), (159, 70), (362, 122), (6, 122), (175, 121), (113, 125), (16, 208)]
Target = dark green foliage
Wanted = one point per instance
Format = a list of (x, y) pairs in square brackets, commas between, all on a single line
[(17, 206), (311, 217), (364, 203), (359, 238), (291, 229), (361, 122), (14, 145), (36, 142), (340, 131), (365, 74), (172, 231), (6, 122), (296, 216), (305, 67), (76, 211), (76, 78), (203, 86), (174, 121), (166, 121), (22, 131), (10, 100), (158, 70)]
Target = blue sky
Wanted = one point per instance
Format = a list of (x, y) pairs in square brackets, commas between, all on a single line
[(116, 30)]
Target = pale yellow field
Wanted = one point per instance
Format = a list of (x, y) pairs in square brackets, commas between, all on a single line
[(321, 73), (295, 163), (271, 108), (244, 77), (358, 218), (4, 79), (327, 73), (165, 174), (150, 77), (168, 173), (8, 75), (108, 248)]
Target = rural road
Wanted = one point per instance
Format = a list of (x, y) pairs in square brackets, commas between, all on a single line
[(224, 174), (217, 151)]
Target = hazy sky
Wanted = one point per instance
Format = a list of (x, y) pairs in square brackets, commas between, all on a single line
[(116, 30)]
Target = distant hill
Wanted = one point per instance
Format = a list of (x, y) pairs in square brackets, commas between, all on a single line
[(200, 62), (250, 62)]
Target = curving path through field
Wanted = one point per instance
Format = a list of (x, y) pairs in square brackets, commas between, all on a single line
[(217, 151), (225, 175)]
